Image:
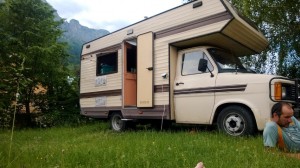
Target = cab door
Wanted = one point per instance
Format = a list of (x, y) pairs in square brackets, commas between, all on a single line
[(193, 89)]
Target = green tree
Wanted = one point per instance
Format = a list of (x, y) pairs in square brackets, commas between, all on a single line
[(29, 36), (279, 20)]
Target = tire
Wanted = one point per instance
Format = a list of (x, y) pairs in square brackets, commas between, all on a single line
[(116, 122), (236, 121)]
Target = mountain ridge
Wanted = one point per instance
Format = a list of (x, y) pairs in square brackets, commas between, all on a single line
[(75, 35)]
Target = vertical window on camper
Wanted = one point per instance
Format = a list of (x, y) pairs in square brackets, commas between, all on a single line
[(107, 63), (190, 61), (131, 59)]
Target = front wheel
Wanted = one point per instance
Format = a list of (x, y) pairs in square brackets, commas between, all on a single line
[(116, 122), (236, 121)]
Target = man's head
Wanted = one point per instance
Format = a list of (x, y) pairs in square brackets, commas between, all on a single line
[(282, 113)]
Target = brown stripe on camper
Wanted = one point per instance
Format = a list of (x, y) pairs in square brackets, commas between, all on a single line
[(98, 112), (148, 113), (161, 88), (157, 112), (232, 88), (116, 92), (194, 24)]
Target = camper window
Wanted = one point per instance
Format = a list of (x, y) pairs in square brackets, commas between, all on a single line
[(107, 63), (190, 62), (131, 59)]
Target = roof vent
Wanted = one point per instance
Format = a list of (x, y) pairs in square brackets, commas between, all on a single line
[(130, 31), (198, 4)]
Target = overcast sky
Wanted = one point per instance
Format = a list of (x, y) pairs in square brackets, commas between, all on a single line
[(110, 15)]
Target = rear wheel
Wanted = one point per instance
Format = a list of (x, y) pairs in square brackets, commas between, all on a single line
[(116, 122), (236, 121)]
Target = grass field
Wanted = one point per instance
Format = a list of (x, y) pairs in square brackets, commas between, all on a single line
[(96, 145)]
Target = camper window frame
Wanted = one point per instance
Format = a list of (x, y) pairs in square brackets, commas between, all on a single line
[(100, 56)]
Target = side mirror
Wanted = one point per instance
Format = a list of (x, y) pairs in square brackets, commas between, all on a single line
[(202, 66)]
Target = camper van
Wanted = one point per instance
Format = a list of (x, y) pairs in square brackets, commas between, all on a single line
[(182, 66)]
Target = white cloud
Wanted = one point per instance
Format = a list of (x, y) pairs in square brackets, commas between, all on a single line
[(110, 14)]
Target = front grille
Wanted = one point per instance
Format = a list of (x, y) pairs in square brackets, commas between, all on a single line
[(291, 87), (291, 92), (297, 91)]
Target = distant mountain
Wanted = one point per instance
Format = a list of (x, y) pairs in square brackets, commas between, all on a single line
[(76, 35)]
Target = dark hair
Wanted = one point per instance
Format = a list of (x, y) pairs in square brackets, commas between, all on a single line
[(277, 108)]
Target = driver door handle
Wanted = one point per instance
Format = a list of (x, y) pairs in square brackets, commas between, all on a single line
[(179, 83), (150, 68)]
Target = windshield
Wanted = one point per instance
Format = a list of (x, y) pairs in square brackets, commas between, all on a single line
[(226, 61)]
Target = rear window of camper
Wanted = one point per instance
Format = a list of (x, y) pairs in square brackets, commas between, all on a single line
[(107, 63)]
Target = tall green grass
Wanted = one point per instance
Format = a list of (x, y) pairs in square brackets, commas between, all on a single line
[(97, 146)]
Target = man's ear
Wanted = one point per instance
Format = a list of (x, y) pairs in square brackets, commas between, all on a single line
[(275, 117)]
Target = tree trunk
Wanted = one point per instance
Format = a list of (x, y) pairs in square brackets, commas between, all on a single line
[(27, 119)]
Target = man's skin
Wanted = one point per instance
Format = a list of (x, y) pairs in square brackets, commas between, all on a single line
[(283, 121), (200, 165), (285, 118)]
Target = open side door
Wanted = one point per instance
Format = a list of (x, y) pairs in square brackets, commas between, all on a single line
[(145, 70), (129, 73)]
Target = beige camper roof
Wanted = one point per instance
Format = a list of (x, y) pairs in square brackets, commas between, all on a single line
[(213, 22), (240, 36)]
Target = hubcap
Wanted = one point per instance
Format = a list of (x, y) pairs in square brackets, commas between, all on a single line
[(234, 124), (117, 123)]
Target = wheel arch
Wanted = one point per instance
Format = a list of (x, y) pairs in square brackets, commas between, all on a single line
[(116, 121), (110, 112), (222, 106)]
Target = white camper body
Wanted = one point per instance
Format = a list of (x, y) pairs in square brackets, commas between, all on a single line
[(151, 70)]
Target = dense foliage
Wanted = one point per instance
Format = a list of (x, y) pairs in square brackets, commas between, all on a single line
[(33, 62), (279, 20)]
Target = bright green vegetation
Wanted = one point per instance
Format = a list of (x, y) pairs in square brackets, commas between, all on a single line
[(97, 146)]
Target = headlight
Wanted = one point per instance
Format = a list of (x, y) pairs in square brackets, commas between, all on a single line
[(283, 92)]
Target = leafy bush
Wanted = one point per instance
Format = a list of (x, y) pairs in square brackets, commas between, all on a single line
[(5, 118), (60, 118)]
